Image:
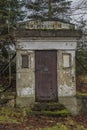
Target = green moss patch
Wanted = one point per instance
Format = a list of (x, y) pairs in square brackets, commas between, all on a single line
[(57, 113), (61, 113), (82, 94)]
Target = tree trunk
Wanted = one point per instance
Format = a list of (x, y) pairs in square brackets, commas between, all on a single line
[(49, 9)]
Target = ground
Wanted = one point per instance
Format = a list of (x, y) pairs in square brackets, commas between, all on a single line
[(18, 119)]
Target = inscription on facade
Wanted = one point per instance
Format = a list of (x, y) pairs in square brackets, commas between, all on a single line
[(46, 25)]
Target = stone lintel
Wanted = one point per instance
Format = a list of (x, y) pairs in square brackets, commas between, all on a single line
[(48, 33)]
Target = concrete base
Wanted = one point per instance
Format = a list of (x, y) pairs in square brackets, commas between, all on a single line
[(24, 101), (70, 103)]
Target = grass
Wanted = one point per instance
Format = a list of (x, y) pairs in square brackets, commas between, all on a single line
[(57, 127), (10, 115), (6, 119), (64, 127)]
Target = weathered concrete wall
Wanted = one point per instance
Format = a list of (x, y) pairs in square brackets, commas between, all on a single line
[(25, 77), (66, 75), (47, 44), (76, 104), (67, 81)]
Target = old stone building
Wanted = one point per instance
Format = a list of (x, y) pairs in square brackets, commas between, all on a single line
[(46, 63)]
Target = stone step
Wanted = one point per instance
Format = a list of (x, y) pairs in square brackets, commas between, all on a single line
[(47, 106), (49, 109)]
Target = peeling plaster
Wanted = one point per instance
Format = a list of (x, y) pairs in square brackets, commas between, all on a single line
[(65, 90), (19, 76), (25, 76), (25, 92), (66, 76)]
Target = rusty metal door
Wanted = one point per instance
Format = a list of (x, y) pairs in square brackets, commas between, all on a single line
[(46, 75)]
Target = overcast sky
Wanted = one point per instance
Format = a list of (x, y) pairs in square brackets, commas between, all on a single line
[(79, 10)]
